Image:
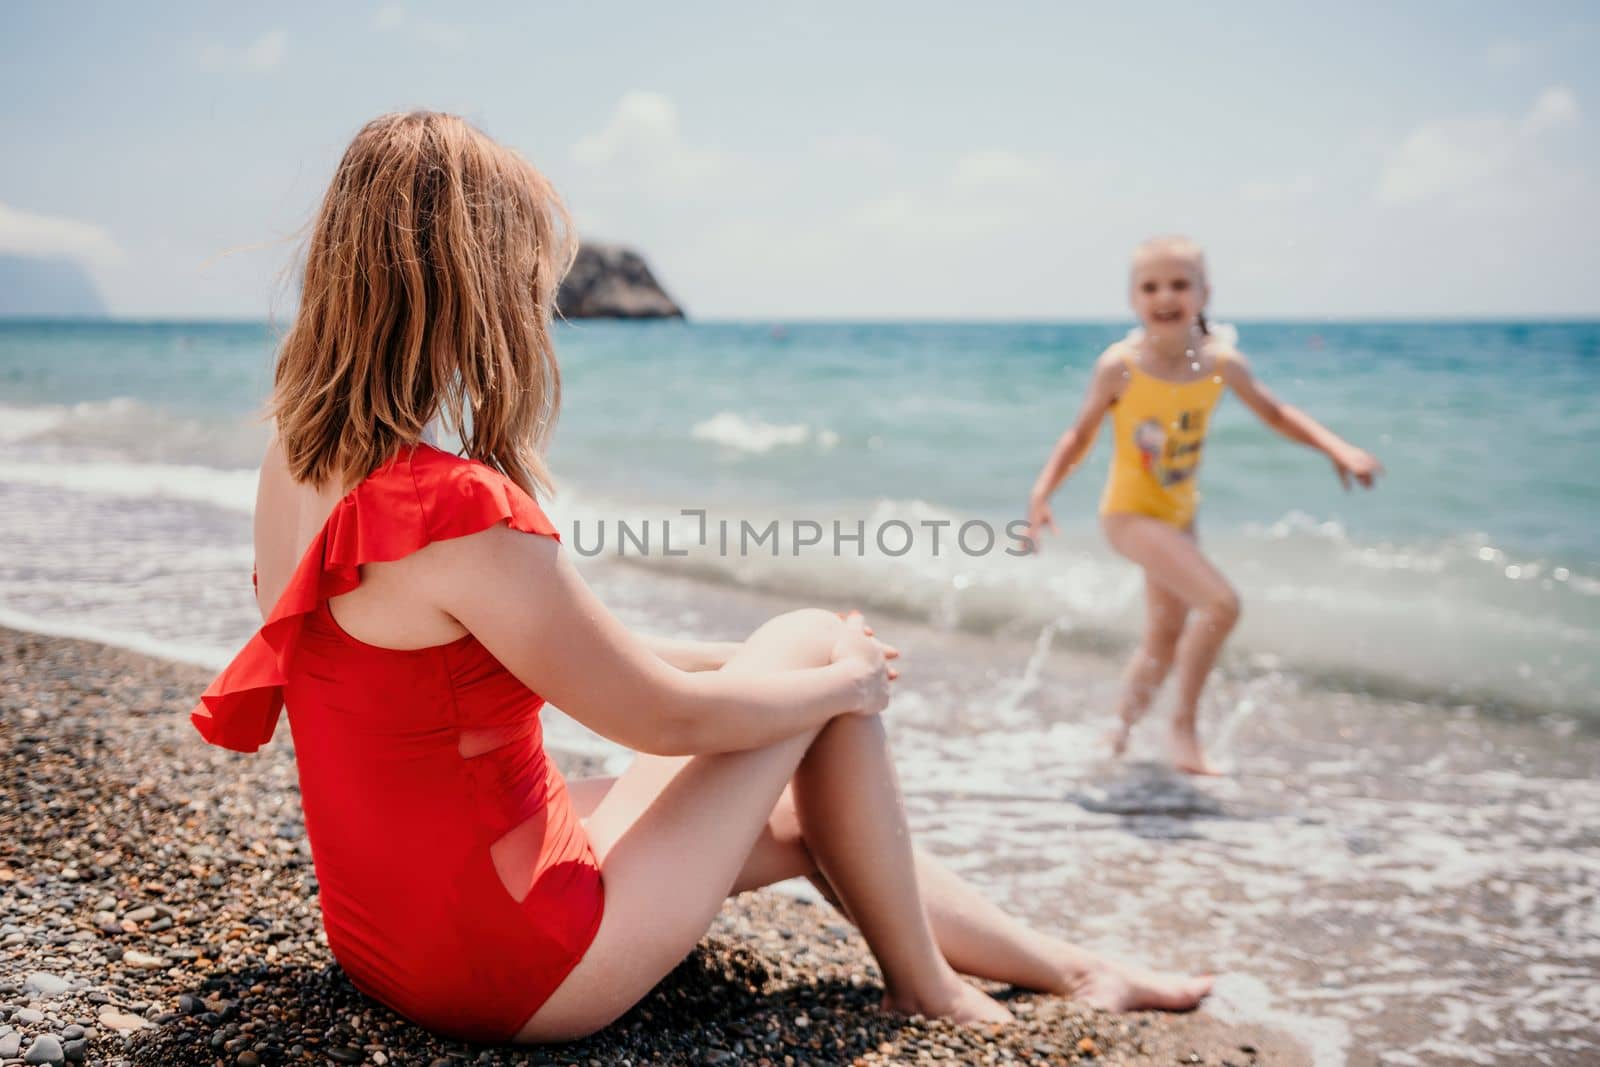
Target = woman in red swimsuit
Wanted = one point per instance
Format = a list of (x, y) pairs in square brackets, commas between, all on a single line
[(419, 609)]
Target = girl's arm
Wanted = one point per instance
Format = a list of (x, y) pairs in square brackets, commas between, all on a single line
[(1348, 460), (520, 596), (1074, 445), (688, 655)]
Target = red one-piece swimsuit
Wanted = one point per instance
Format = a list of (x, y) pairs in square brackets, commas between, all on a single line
[(401, 823)]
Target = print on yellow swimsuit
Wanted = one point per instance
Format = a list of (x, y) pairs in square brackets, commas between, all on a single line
[(1174, 457), (1159, 430)]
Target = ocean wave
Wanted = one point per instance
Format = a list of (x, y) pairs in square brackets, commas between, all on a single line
[(1459, 618), (200, 655), (126, 428), (1451, 621), (741, 434), (231, 490), (20, 424)]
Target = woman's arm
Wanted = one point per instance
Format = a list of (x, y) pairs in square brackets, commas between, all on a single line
[(520, 596), (688, 655), (1075, 444), (1348, 460)]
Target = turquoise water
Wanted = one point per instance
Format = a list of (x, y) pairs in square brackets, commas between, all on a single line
[(1472, 573)]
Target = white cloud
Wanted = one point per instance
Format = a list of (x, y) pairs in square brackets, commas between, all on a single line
[(1555, 108), (396, 18), (642, 141), (985, 193), (1479, 158), (260, 55), (1506, 54), (1278, 191), (995, 168), (24, 233)]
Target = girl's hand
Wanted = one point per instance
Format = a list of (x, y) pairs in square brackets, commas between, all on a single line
[(858, 647), (1040, 520), (1351, 462)]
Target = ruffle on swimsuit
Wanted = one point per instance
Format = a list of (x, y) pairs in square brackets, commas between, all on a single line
[(385, 518)]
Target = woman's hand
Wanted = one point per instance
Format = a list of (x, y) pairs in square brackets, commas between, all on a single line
[(858, 647), (1040, 520), (1350, 462)]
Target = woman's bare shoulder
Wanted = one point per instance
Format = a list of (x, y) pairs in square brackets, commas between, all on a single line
[(287, 516)]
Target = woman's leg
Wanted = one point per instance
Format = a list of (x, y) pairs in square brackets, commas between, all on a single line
[(975, 936), (712, 809), (1165, 613), (1171, 558)]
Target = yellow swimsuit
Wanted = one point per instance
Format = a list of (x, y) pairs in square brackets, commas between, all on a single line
[(1160, 429)]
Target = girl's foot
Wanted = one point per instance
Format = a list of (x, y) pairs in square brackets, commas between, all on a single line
[(1116, 738), (958, 1002), (1115, 986), (1187, 755)]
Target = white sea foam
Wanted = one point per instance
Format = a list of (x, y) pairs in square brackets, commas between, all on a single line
[(234, 490), (20, 424), (200, 655), (1315, 601), (741, 434), (124, 428), (1243, 998)]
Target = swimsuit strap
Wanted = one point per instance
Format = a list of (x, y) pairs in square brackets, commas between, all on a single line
[(1130, 354)]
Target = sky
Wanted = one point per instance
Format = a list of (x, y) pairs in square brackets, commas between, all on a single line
[(890, 160)]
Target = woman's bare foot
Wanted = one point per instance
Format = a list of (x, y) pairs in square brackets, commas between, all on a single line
[(957, 1001), (1187, 755), (1116, 986)]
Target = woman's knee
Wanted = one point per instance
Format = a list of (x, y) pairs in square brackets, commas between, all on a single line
[(806, 635), (814, 621)]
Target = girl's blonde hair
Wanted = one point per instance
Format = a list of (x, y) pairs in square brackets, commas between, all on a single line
[(430, 279)]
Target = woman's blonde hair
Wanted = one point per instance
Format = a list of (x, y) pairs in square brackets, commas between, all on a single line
[(430, 279)]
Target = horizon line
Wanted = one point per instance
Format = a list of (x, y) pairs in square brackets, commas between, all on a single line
[(1354, 319)]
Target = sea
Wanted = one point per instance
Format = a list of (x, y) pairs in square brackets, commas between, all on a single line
[(1403, 864)]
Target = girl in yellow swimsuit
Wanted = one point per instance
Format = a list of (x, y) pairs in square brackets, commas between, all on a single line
[(1161, 384)]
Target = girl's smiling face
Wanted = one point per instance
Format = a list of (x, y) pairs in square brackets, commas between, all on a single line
[(1168, 291)]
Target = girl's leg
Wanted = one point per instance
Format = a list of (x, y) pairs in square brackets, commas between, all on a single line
[(672, 841), (1171, 558), (1165, 613)]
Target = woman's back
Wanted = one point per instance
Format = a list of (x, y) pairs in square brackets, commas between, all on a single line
[(385, 609), (457, 884)]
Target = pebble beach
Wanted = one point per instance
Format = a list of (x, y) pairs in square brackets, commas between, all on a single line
[(158, 907)]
